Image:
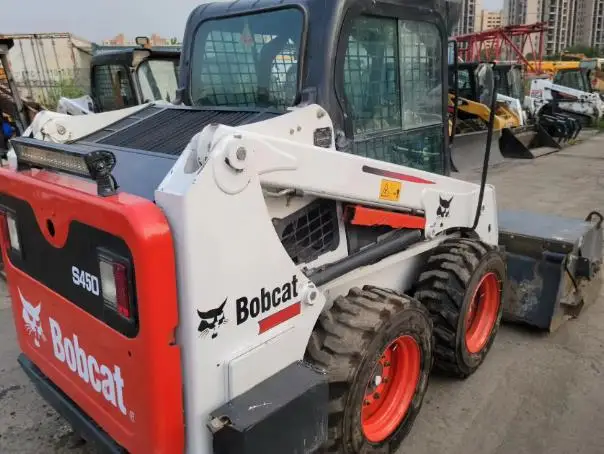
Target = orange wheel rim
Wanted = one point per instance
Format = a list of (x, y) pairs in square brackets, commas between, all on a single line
[(391, 388), (482, 313)]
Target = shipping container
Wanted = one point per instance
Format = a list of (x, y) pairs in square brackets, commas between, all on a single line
[(49, 65)]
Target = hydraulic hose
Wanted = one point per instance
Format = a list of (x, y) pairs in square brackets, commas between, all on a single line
[(487, 154)]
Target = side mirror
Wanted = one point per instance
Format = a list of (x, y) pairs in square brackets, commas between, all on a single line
[(143, 41)]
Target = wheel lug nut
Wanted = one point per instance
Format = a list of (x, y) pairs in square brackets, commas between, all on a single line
[(366, 403), (376, 396), (386, 363)]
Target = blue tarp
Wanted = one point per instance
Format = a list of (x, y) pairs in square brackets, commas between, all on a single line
[(7, 129)]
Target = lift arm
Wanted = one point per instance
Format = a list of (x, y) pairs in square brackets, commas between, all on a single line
[(282, 153)]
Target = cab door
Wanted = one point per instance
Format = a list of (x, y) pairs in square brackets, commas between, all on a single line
[(391, 72)]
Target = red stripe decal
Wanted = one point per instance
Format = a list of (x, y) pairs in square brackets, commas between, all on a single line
[(396, 175), (567, 96), (277, 318)]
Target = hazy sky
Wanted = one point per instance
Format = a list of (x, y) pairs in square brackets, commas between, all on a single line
[(102, 19)]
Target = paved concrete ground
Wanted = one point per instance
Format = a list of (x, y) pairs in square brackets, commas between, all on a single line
[(535, 394)]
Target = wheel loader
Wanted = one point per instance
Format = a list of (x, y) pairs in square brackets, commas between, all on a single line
[(285, 280)]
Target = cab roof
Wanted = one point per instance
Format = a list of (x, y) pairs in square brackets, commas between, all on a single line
[(124, 56), (213, 10)]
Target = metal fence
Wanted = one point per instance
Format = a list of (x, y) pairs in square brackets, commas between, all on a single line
[(46, 87)]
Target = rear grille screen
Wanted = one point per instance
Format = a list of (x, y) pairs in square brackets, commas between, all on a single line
[(168, 129)]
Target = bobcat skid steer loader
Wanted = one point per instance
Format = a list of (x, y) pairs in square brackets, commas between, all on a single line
[(531, 137), (510, 88), (560, 114), (275, 265), (547, 97), (469, 108), (516, 138), (123, 78)]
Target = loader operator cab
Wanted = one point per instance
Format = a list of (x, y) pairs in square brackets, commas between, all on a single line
[(378, 68), (509, 80), (128, 77), (475, 80), (577, 78)]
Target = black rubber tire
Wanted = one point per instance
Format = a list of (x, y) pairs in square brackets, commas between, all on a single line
[(348, 341), (446, 287)]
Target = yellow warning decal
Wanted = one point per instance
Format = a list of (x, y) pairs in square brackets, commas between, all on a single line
[(390, 190)]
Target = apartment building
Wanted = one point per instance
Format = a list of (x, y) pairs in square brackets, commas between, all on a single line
[(154, 39), (561, 19), (469, 17), (521, 11), (589, 29), (490, 20), (561, 16)]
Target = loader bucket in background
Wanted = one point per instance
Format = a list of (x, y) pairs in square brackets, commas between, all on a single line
[(469, 148), (527, 142), (554, 266)]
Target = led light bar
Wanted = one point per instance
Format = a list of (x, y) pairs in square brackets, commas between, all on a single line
[(49, 159), (95, 165)]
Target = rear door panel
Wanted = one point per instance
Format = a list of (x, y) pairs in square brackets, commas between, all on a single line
[(125, 376)]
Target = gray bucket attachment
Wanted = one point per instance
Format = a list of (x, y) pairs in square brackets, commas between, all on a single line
[(554, 266), (469, 148), (527, 142)]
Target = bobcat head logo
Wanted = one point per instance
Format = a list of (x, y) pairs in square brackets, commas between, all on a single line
[(211, 320), (444, 207), (31, 317)]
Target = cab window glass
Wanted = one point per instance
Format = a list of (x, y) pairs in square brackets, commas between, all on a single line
[(112, 87), (393, 90)]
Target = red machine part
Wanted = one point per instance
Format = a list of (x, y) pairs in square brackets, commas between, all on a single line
[(505, 43), (130, 386)]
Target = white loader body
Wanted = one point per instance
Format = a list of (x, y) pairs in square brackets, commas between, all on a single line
[(544, 91), (274, 160)]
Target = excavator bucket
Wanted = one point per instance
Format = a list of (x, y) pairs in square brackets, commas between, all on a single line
[(468, 151), (554, 266), (527, 142)]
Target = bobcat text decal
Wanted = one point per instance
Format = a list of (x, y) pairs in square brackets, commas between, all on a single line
[(99, 376), (267, 301), (104, 379)]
